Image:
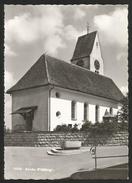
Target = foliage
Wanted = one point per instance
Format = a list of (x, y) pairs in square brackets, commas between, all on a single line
[(86, 126), (66, 128), (104, 127), (123, 112)]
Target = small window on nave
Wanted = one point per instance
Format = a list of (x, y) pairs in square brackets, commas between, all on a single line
[(73, 110), (97, 113), (85, 111)]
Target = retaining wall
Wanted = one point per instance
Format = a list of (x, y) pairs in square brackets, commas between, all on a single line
[(50, 139)]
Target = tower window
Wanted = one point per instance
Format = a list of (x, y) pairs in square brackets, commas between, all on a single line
[(96, 113), (73, 110), (97, 44), (85, 111)]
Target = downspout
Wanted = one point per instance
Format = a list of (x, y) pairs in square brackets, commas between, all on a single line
[(49, 107)]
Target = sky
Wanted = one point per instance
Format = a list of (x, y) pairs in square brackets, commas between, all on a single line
[(31, 30)]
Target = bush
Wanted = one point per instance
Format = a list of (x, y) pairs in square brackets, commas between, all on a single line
[(66, 128), (123, 126), (86, 126), (103, 127), (75, 128)]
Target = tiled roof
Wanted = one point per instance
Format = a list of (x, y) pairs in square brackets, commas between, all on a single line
[(49, 70), (84, 45)]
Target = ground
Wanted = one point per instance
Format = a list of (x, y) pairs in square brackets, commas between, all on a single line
[(113, 172), (34, 163)]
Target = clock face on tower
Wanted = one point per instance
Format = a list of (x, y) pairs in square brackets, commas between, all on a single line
[(96, 64)]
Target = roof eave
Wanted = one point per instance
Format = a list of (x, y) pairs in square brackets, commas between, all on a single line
[(11, 91)]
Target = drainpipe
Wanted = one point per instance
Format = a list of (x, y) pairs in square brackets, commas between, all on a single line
[(49, 107)]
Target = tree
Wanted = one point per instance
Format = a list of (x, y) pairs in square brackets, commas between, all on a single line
[(123, 112)]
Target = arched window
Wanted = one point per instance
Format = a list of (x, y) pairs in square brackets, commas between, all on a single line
[(111, 110), (73, 110), (85, 111), (97, 113)]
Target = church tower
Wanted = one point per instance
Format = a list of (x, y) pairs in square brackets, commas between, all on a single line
[(87, 53)]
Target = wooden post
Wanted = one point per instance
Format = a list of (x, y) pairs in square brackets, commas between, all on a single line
[(95, 159)]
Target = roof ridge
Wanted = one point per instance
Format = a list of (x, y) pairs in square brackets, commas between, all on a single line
[(88, 34)]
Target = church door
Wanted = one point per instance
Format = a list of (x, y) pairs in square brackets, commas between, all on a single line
[(28, 122)]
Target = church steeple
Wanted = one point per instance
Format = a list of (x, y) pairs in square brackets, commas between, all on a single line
[(87, 53)]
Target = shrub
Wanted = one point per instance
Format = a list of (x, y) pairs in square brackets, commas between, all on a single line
[(105, 127), (123, 126), (66, 128), (100, 128), (61, 128), (123, 112), (75, 128), (86, 126)]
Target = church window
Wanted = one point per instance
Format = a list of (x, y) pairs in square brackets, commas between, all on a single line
[(96, 64), (111, 110), (85, 111), (58, 113), (73, 110), (96, 44), (96, 113)]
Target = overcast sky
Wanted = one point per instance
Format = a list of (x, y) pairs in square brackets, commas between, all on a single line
[(31, 30)]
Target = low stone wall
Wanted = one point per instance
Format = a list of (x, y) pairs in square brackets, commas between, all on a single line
[(50, 139)]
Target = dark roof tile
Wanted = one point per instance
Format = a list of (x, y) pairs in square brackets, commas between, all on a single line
[(49, 70), (84, 45)]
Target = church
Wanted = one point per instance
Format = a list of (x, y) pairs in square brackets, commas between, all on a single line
[(54, 92)]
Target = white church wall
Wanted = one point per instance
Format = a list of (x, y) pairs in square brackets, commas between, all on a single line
[(92, 113), (64, 107), (96, 54), (32, 97), (63, 104)]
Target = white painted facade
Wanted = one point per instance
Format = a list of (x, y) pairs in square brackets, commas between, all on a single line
[(63, 105), (31, 97), (45, 118), (96, 55)]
